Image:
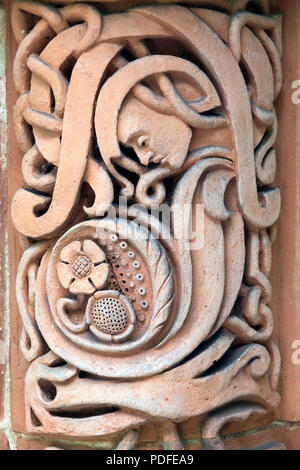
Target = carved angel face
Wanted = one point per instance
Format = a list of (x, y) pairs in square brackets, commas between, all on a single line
[(155, 137)]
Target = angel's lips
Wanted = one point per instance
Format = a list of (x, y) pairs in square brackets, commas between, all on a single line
[(158, 158)]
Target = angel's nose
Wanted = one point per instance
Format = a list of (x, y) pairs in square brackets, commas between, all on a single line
[(145, 157)]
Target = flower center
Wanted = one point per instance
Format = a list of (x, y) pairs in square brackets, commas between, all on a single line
[(81, 266), (110, 316)]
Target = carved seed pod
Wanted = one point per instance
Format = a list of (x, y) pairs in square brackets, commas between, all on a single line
[(110, 316)]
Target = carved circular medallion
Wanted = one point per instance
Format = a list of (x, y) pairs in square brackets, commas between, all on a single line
[(129, 277)]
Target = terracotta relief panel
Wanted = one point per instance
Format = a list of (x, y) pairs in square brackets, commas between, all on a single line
[(147, 214)]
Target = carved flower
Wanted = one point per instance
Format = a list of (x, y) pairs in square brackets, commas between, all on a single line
[(82, 269)]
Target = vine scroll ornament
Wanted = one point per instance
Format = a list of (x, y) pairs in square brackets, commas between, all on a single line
[(167, 106)]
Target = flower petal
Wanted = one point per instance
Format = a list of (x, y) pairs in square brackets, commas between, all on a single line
[(65, 275), (99, 275), (93, 251), (69, 252), (82, 286)]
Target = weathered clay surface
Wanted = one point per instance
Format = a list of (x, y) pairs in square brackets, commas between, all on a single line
[(171, 107)]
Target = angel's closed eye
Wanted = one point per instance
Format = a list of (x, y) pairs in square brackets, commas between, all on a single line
[(143, 141)]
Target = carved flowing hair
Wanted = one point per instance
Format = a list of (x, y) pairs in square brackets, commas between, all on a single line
[(96, 46), (128, 82)]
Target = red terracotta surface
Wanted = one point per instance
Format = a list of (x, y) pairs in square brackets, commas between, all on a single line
[(152, 400)]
